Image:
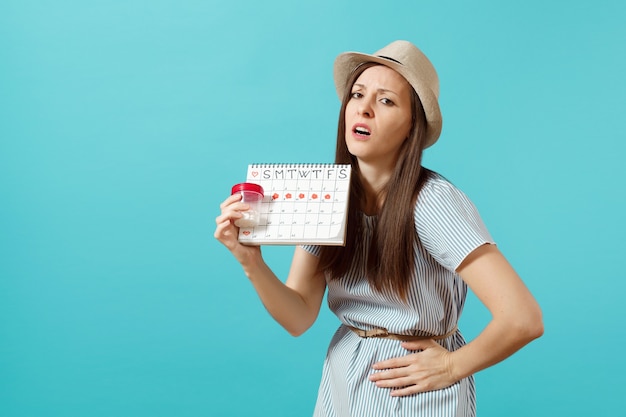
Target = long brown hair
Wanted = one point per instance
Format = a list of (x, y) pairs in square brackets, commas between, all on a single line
[(389, 264)]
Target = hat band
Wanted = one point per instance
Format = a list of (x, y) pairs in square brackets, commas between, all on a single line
[(391, 59)]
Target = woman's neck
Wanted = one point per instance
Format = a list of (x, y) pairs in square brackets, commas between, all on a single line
[(374, 180)]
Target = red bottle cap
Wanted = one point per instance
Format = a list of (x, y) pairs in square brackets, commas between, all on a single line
[(247, 186)]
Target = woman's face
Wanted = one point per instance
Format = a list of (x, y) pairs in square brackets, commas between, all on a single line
[(378, 116)]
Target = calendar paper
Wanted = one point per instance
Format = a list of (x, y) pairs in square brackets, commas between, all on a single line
[(302, 204)]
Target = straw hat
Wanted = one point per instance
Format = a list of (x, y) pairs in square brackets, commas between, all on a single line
[(412, 64)]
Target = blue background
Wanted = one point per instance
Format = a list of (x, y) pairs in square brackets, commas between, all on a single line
[(123, 125)]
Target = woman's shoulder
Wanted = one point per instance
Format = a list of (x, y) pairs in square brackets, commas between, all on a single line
[(440, 197), (447, 222), (436, 187)]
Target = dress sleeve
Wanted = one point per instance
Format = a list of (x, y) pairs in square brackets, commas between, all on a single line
[(448, 224), (312, 249)]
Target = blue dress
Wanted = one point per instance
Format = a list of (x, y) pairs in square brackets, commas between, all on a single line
[(449, 228)]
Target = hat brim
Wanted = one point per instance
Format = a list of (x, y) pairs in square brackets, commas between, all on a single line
[(347, 62)]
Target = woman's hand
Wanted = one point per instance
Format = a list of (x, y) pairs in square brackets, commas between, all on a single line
[(294, 304), (427, 368), (228, 234)]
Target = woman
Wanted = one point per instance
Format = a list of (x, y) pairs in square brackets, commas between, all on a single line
[(414, 245)]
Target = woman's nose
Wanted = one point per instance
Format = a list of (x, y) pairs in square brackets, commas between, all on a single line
[(365, 107)]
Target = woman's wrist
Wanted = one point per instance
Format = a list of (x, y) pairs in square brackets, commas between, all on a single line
[(454, 366), (252, 264)]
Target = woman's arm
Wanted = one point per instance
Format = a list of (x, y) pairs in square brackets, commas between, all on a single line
[(516, 320), (295, 304), (516, 316)]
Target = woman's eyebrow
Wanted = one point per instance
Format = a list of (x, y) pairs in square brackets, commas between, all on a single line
[(380, 90)]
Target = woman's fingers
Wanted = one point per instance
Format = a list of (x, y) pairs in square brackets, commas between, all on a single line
[(230, 200)]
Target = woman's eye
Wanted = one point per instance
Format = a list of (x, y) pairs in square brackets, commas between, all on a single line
[(386, 101), (356, 94)]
